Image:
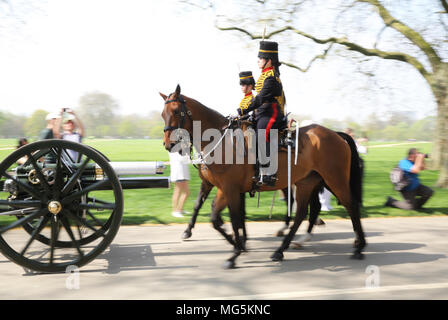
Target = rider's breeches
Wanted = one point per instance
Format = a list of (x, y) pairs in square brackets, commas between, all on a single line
[(268, 123)]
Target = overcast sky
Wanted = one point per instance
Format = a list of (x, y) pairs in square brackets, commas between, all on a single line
[(134, 49)]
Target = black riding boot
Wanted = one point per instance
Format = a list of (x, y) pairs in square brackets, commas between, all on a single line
[(266, 178)]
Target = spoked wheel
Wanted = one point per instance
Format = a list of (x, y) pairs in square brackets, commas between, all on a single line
[(57, 212), (88, 237)]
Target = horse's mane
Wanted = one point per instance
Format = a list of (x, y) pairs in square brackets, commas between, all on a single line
[(207, 109)]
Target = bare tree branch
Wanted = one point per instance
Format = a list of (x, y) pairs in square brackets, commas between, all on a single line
[(444, 26), (391, 55), (380, 33), (208, 5), (343, 11), (320, 56), (408, 32), (445, 5)]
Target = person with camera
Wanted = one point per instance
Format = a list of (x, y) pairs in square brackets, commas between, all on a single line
[(415, 194), (72, 129), (51, 131)]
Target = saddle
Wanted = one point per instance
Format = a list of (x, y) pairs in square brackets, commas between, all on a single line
[(248, 122), (286, 137)]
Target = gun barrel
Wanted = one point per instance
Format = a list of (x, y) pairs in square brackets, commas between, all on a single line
[(135, 183), (132, 175), (137, 168)]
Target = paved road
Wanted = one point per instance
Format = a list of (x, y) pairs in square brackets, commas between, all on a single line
[(407, 259)]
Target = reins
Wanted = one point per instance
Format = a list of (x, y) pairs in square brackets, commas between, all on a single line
[(201, 159), (183, 113)]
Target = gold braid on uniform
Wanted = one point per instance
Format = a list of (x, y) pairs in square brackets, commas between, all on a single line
[(260, 83), (245, 103)]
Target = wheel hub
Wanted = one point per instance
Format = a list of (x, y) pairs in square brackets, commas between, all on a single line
[(54, 207)]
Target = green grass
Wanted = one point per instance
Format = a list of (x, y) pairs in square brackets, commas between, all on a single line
[(154, 205)]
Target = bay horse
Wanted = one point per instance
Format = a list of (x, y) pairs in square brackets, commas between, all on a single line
[(206, 188), (324, 157), (204, 191)]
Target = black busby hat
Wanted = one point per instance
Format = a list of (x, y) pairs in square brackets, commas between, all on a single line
[(268, 50), (246, 78)]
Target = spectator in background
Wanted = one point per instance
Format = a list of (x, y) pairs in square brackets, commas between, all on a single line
[(22, 142), (72, 129), (51, 132), (52, 129), (415, 194), (325, 200), (180, 175), (361, 149)]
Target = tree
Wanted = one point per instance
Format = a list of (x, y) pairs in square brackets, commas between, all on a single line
[(35, 123), (127, 127), (97, 109), (423, 129), (156, 125), (396, 117), (14, 15), (422, 47), (143, 126), (332, 124), (105, 131), (2, 119), (373, 126), (11, 125), (156, 132)]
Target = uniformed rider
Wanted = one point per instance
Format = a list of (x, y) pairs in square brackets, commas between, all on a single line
[(268, 103), (247, 84)]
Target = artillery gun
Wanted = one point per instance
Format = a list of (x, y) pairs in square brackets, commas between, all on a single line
[(56, 211)]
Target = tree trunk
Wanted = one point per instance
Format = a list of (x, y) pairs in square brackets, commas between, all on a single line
[(440, 154)]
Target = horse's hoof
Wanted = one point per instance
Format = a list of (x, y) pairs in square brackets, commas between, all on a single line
[(186, 235), (305, 237), (296, 245), (357, 256), (279, 233), (229, 265), (319, 222), (277, 256)]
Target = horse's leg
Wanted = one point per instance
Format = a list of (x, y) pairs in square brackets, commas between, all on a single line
[(341, 189), (315, 207), (304, 189), (219, 203), (202, 196), (243, 218), (234, 203), (280, 233)]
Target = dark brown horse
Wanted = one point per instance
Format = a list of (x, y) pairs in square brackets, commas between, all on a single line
[(323, 157)]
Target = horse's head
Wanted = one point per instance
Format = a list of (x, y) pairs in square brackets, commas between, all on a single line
[(177, 118)]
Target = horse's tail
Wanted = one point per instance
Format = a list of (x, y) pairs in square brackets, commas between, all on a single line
[(355, 169)]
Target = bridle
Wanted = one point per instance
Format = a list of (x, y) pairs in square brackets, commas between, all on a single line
[(183, 112)]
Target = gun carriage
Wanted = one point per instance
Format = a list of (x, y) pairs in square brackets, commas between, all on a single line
[(56, 211)]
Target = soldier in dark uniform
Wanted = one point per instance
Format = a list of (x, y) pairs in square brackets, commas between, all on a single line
[(270, 101)]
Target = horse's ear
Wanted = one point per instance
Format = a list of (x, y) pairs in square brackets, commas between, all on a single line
[(163, 96), (178, 90)]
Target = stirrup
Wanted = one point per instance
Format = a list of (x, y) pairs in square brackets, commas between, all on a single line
[(267, 180)]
